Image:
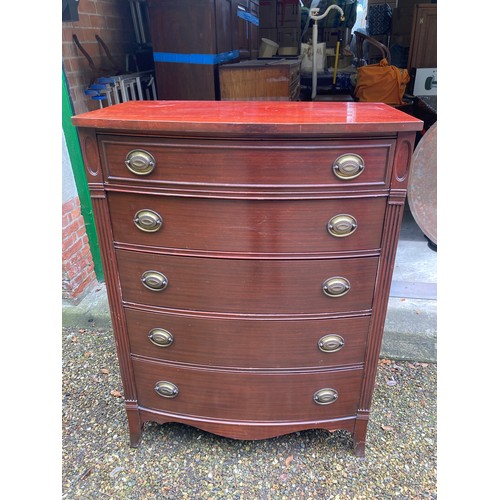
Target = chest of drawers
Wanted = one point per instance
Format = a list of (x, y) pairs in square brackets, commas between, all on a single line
[(248, 250)]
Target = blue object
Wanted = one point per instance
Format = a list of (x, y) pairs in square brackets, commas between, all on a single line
[(172, 57), (248, 17), (104, 80), (97, 86)]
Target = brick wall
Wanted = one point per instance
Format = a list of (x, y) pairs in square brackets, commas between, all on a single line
[(78, 273), (112, 21)]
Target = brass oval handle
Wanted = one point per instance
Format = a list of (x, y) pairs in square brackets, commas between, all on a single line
[(325, 396), (331, 343), (154, 280), (336, 286), (160, 337), (148, 220), (342, 225), (348, 166), (140, 162), (166, 389)]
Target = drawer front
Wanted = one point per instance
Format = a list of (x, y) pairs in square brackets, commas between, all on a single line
[(247, 343), (256, 286), (249, 226), (248, 396), (244, 163)]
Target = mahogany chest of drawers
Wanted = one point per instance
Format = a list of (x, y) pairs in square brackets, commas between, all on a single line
[(248, 250)]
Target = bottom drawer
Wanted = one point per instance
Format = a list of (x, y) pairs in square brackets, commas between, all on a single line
[(248, 396)]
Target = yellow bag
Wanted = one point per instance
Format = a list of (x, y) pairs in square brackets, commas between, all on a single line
[(381, 83)]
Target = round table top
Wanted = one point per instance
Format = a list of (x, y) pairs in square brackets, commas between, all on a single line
[(422, 186)]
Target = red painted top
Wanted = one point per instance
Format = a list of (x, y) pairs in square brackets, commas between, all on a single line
[(250, 117)]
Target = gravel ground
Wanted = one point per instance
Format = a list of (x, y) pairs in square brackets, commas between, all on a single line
[(177, 462)]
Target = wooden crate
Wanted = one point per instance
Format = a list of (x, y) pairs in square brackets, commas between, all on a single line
[(261, 80)]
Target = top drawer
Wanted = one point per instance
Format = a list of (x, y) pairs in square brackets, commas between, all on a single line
[(220, 164)]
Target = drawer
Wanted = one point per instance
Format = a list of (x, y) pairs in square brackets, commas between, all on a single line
[(255, 286), (247, 396), (249, 226), (222, 164), (247, 343)]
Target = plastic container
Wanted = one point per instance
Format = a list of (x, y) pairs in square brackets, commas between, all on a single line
[(267, 48), (288, 51)]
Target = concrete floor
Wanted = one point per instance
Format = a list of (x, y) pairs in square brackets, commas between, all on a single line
[(411, 325)]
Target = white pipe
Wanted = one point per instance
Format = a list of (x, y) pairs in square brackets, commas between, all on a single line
[(314, 62), (313, 14)]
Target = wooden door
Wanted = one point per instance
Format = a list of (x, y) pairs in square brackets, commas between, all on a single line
[(423, 45)]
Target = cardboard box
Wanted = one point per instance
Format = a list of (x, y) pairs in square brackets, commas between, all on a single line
[(267, 14), (288, 37), (330, 36), (402, 20), (288, 14)]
